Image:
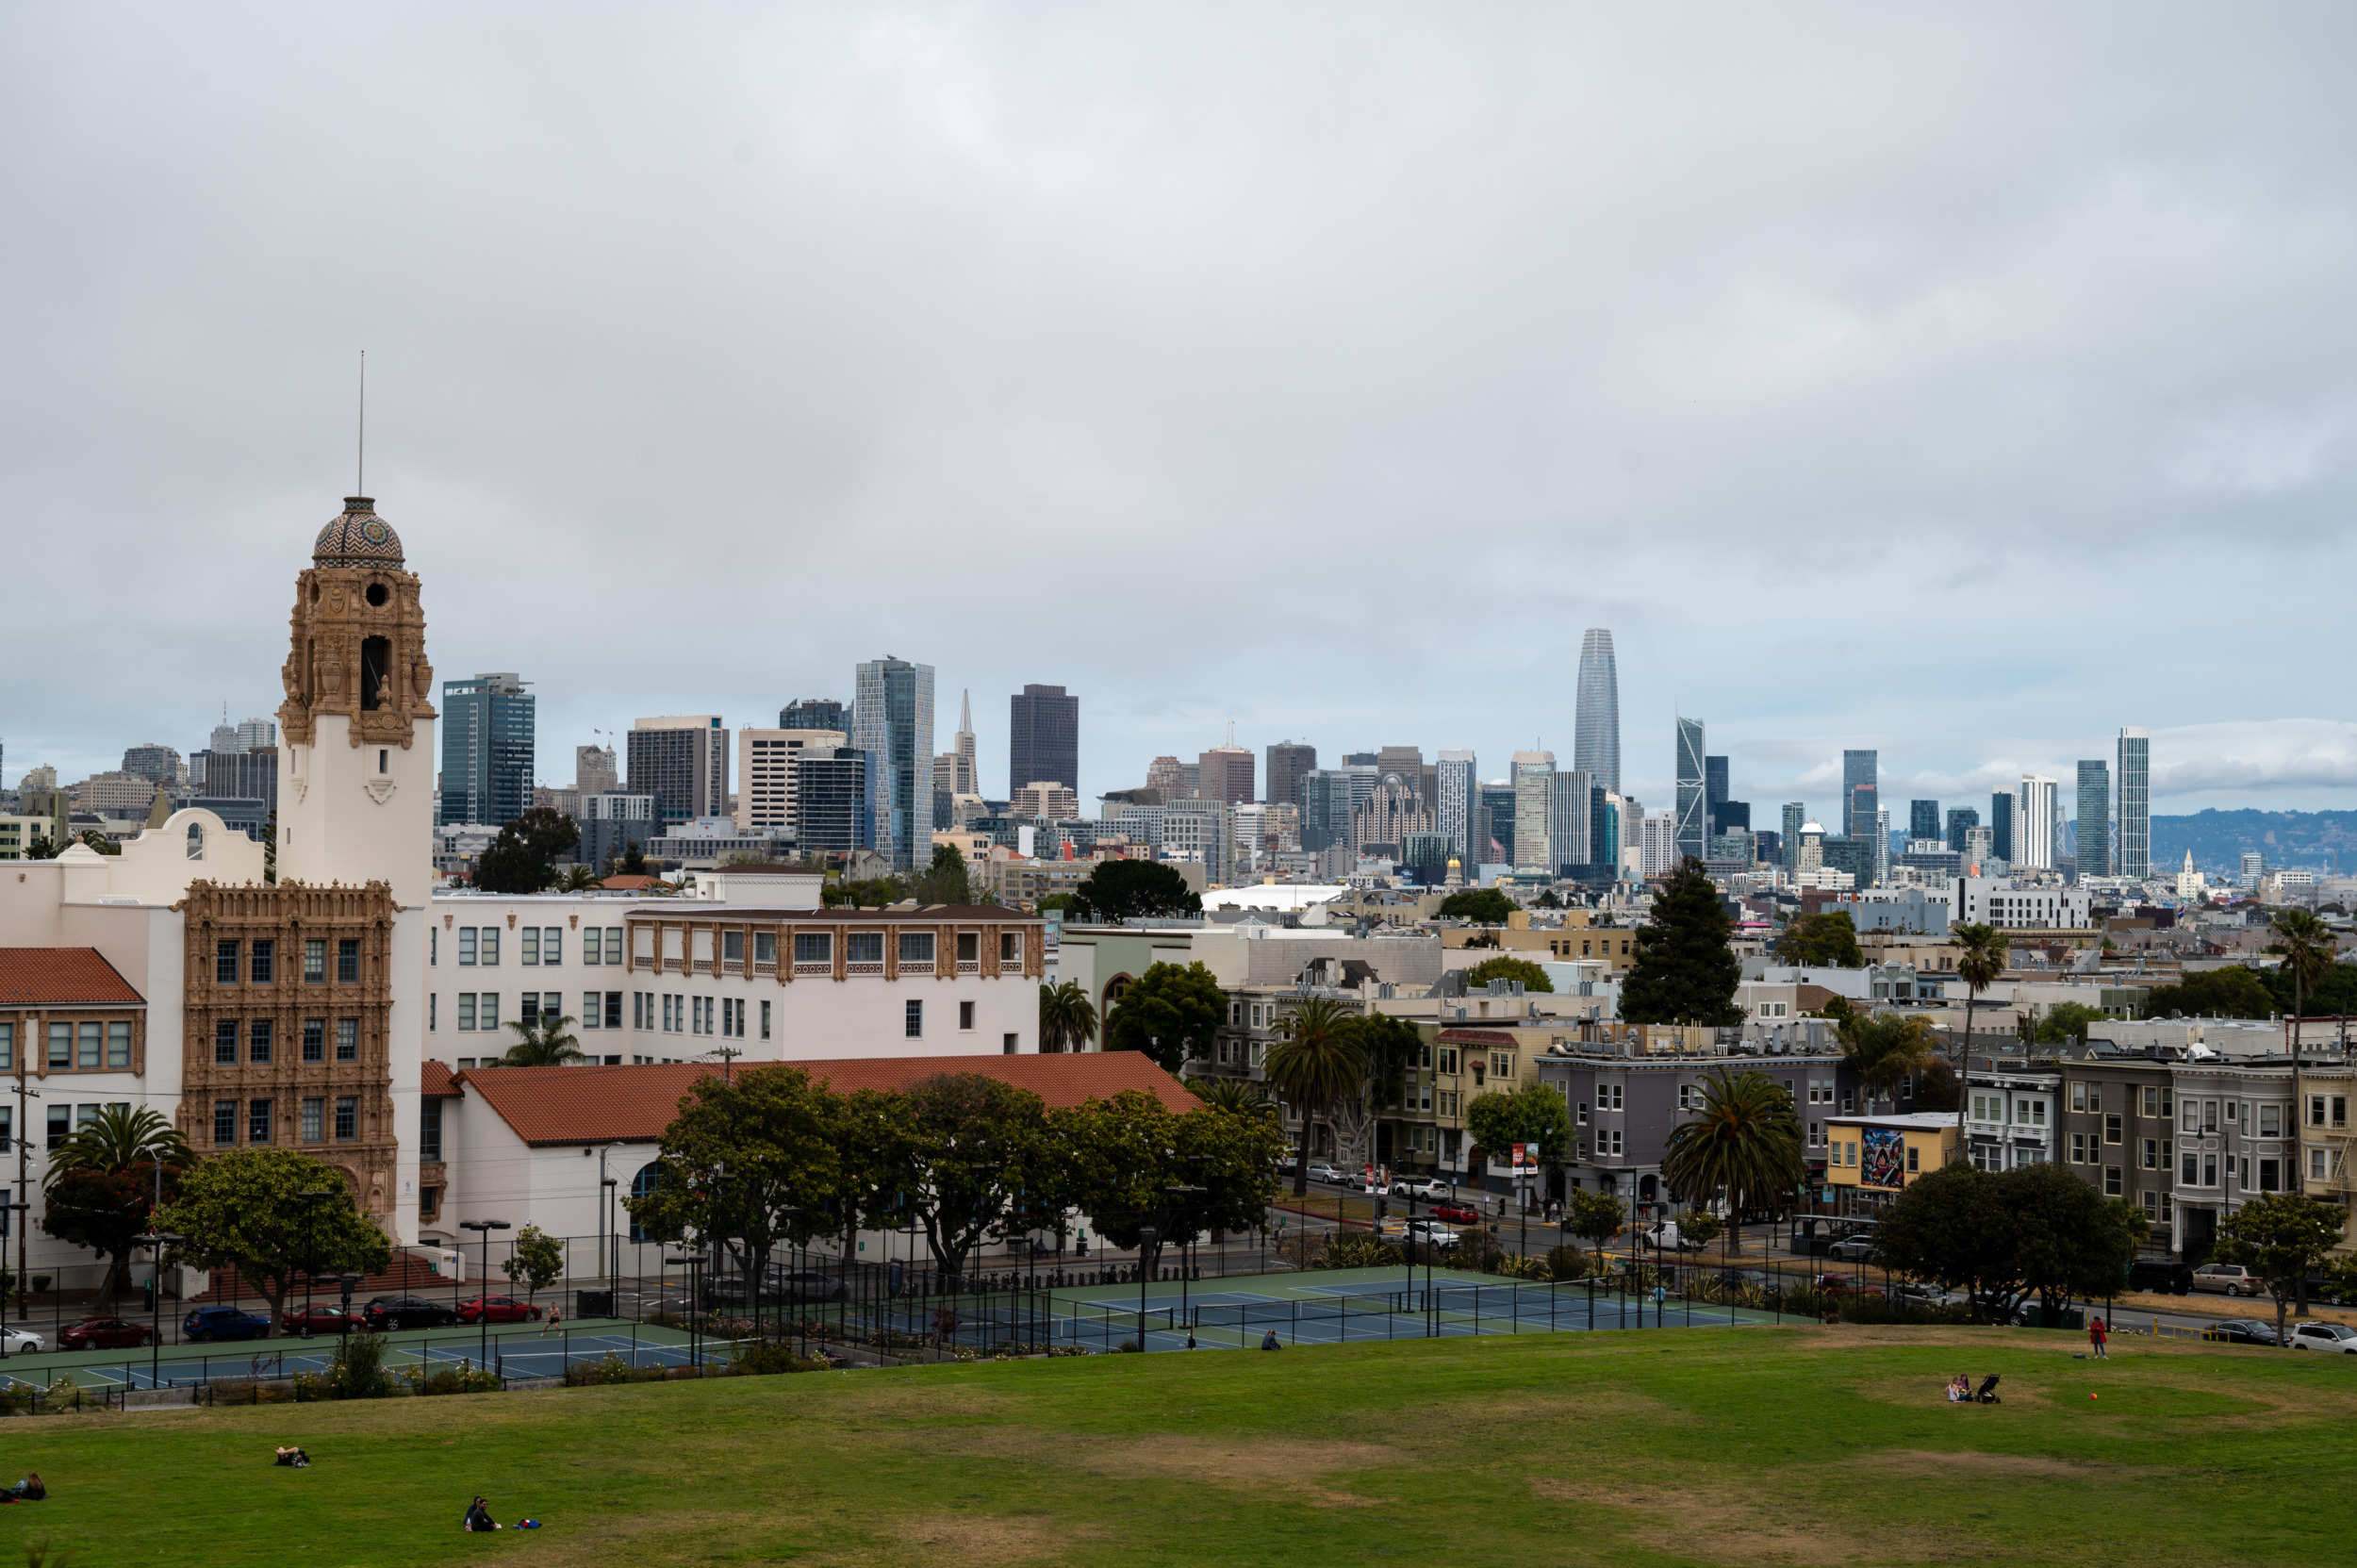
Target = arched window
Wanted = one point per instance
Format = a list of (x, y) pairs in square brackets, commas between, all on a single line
[(196, 841), (376, 653), (643, 1185)]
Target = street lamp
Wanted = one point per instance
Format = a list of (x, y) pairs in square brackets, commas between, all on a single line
[(1184, 1192), (348, 1282), (693, 1262), (1146, 1238), (158, 1240), (310, 1249), (483, 1292), (21, 1216)]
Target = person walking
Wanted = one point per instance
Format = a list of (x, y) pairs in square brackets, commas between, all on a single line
[(2099, 1334)]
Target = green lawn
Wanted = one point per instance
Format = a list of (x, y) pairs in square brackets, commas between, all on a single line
[(1802, 1445)]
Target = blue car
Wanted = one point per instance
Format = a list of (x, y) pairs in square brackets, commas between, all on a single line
[(207, 1324)]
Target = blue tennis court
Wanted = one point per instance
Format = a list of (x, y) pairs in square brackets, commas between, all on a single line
[(513, 1355)]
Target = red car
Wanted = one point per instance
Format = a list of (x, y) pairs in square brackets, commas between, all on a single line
[(1842, 1285), (498, 1308), (1456, 1213), (104, 1333), (322, 1319)]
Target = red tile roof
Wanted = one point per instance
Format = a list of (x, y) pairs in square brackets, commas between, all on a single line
[(62, 977), (436, 1081), (633, 1104)]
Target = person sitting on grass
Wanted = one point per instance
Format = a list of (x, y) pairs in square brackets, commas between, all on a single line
[(29, 1490), (1268, 1341), (294, 1456), (478, 1517), (1960, 1390)]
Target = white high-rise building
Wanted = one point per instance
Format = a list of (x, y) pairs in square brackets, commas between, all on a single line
[(2135, 803), (1596, 724), (1457, 785), (1534, 810), (2037, 822)]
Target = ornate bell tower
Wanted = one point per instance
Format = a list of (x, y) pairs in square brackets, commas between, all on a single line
[(355, 787)]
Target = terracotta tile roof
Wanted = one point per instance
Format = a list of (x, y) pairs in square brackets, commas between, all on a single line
[(633, 1104), (628, 883), (62, 977), (436, 1081)]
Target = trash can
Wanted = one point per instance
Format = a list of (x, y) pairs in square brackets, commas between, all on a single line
[(593, 1304)]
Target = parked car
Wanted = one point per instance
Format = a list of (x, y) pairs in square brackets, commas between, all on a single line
[(1431, 1233), (2160, 1275), (498, 1309), (2325, 1336), (1429, 1187), (2230, 1278), (2242, 1330), (1322, 1171), (320, 1317), (407, 1312), (20, 1342), (1916, 1293), (1852, 1249), (1667, 1234), (104, 1333), (807, 1285), (1843, 1284), (1456, 1213), (2033, 1315), (207, 1324)]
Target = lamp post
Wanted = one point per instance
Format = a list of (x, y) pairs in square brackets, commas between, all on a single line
[(348, 1282), (483, 1296), (310, 1249), (21, 1215), (1146, 1238), (694, 1264), (607, 1260), (158, 1240), (1184, 1192)]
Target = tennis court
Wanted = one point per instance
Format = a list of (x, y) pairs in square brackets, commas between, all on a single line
[(1355, 1305), (525, 1354)]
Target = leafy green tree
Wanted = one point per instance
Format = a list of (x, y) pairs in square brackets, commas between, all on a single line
[(1949, 1226), (1068, 1019), (1170, 1013), (2008, 1235), (1981, 955), (245, 1210), (944, 881), (94, 839), (1885, 1049), (1594, 1217), (1744, 1146), (2306, 946), (1685, 969), (1055, 903), (1698, 1224), (1120, 890), (873, 894), (1534, 979), (103, 1183), (965, 1150), (522, 859), (1483, 906), (547, 1043), (1132, 1159), (1390, 1046), (1534, 1113), (2281, 1237), (2233, 992), (537, 1259), (1826, 937), (1319, 1062), (633, 861), (2066, 1021), (2070, 1240)]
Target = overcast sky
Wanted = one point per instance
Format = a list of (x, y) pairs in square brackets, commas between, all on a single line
[(1964, 382)]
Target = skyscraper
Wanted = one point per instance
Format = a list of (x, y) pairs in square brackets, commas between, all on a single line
[(1693, 817), (1043, 738), (1226, 773), (684, 760), (892, 720), (486, 749), (1961, 820), (1596, 722), (1860, 793), (593, 770), (1497, 824), (1329, 796), (1795, 818), (2135, 803), (1456, 801), (813, 713), (2001, 815), (1923, 822), (2095, 819), (963, 777), (2037, 825), (1287, 761), (1571, 830), (1534, 810), (1714, 793)]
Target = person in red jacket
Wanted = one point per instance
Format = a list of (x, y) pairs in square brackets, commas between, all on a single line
[(2096, 1335)]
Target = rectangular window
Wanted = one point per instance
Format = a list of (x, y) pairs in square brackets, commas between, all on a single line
[(2077, 1096), (347, 1118), (2188, 1174), (225, 1123), (2209, 1116), (265, 963), (430, 1130), (314, 1115), (528, 948), (2095, 1098), (591, 1015), (813, 947), (347, 1039), (612, 944), (2151, 1153), (2111, 1180), (2315, 1109), (2340, 1110), (258, 1122), (553, 944), (2112, 1129), (966, 1016), (465, 945), (86, 1054), (2152, 1206), (2315, 1164), (2152, 1101), (969, 946), (7, 1045), (1010, 946), (348, 961), (466, 1010), (2078, 1148), (765, 946), (314, 961), (489, 949), (614, 1009), (1915, 1158), (2209, 1170), (733, 946), (257, 1040), (2270, 1121), (61, 1046), (864, 947), (2168, 1108), (528, 1011), (591, 948), (118, 1045), (2168, 1208), (916, 947), (487, 1010), (226, 1043), (315, 1039), (764, 1020), (2270, 1176), (225, 964), (433, 945), (913, 1022)]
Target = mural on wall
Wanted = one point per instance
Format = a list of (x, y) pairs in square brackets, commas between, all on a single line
[(1882, 1158)]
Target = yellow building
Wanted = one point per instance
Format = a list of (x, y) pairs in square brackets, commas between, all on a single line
[(1869, 1160), (1574, 938)]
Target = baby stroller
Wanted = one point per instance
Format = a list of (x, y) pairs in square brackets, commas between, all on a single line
[(1986, 1393)]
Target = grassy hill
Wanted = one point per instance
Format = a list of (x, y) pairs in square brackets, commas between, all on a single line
[(1801, 1445)]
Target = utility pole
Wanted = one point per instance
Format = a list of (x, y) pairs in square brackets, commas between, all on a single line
[(24, 1211)]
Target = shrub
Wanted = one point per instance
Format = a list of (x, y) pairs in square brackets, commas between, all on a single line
[(63, 1394), (608, 1369), (359, 1370), (762, 1359), (1512, 1265), (461, 1378), (1478, 1250), (1342, 1251), (1566, 1262)]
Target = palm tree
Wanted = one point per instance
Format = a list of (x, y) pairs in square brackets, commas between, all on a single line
[(119, 1142), (548, 1044), (1884, 1049), (1318, 1063), (1068, 1019), (1744, 1145), (1979, 962), (2307, 946), (1237, 1096), (580, 879)]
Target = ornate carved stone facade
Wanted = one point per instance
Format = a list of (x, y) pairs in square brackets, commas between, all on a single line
[(358, 645), (288, 1034)]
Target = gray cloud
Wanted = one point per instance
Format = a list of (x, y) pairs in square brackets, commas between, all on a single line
[(1912, 376)]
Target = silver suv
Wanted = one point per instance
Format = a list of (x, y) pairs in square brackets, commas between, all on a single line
[(2227, 1279)]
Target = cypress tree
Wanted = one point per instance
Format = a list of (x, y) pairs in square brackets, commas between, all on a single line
[(1686, 970)]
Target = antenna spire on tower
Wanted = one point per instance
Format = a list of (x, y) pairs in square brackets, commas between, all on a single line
[(360, 469)]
